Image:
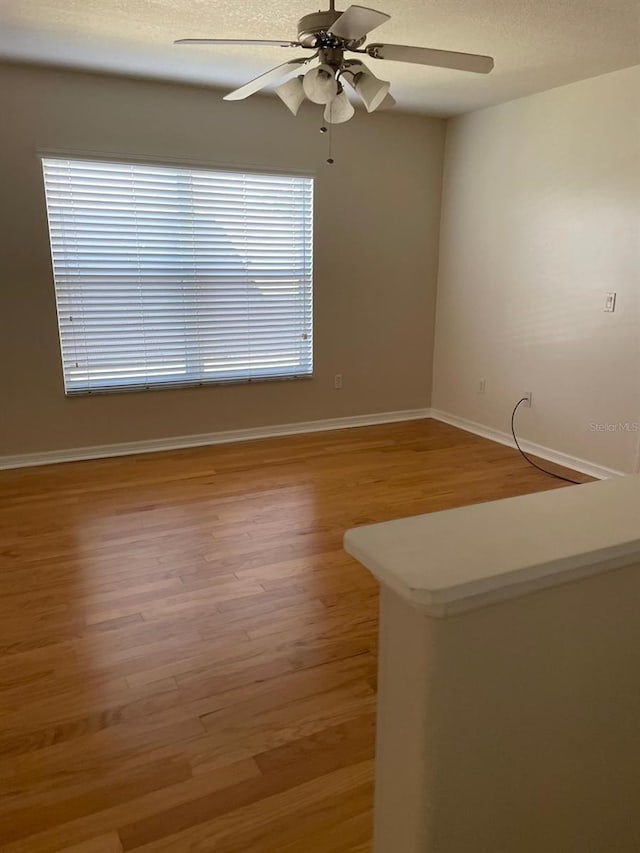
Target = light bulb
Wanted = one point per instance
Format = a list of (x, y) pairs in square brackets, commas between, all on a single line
[(320, 84)]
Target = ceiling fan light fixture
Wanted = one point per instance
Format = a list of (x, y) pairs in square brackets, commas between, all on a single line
[(388, 103), (330, 34), (320, 84), (371, 90), (339, 110), (292, 93)]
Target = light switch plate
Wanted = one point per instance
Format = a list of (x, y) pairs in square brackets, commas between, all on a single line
[(610, 302)]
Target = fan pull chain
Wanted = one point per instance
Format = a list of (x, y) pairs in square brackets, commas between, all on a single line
[(324, 129)]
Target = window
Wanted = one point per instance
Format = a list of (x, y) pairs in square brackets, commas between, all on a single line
[(179, 276)]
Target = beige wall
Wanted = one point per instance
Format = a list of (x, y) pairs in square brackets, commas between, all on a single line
[(541, 216), (512, 728), (376, 241)]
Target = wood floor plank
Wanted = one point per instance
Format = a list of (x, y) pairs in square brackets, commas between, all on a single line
[(312, 832), (23, 822), (109, 843), (78, 830), (231, 819), (188, 656)]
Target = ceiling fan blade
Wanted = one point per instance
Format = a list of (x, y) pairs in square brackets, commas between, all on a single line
[(356, 22), (275, 43), (279, 74), (429, 56)]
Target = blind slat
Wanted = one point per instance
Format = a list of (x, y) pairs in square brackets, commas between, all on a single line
[(172, 275)]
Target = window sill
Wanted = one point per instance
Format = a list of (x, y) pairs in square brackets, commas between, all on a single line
[(173, 386)]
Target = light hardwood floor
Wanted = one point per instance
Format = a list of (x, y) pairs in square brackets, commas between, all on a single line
[(188, 657)]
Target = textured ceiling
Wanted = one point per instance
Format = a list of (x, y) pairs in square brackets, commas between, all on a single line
[(537, 44)]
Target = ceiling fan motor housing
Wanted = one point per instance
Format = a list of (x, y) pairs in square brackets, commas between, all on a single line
[(313, 31)]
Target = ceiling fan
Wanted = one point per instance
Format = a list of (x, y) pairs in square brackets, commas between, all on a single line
[(329, 35)]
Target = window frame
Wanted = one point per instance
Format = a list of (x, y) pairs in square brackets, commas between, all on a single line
[(191, 165)]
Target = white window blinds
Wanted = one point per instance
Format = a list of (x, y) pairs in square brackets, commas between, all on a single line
[(168, 275)]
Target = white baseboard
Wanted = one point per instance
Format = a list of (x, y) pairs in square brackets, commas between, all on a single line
[(28, 460), (581, 465), (76, 454)]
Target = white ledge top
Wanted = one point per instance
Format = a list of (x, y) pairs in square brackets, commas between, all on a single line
[(459, 559)]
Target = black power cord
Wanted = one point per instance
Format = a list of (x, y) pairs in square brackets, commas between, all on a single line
[(528, 458)]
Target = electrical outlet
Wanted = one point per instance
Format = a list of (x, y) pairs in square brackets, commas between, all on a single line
[(610, 302), (528, 396), (337, 381), (482, 386)]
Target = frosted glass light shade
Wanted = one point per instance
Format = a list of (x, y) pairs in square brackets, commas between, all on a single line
[(371, 90), (388, 103), (320, 84), (291, 93), (339, 110)]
